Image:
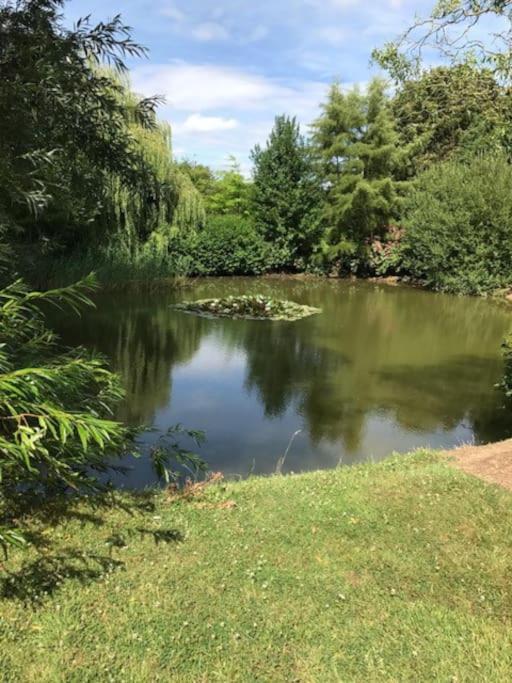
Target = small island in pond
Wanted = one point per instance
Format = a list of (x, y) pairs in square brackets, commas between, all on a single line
[(251, 307)]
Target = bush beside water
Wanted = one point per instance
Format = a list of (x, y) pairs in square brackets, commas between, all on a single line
[(229, 245), (506, 350), (459, 227)]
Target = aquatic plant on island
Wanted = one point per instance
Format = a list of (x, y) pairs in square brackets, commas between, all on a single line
[(256, 307)]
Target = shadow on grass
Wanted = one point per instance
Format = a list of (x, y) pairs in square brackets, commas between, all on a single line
[(163, 535), (40, 577)]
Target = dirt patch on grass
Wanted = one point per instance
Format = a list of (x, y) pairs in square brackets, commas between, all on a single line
[(492, 463)]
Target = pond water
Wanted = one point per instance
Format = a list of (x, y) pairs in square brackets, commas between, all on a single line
[(381, 369)]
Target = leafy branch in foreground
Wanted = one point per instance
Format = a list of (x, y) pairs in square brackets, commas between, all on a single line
[(56, 426), (169, 448), (57, 431)]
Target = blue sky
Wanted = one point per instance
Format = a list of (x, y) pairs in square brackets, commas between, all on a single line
[(227, 67)]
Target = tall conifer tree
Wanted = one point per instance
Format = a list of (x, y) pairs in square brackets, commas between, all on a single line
[(286, 191), (356, 144)]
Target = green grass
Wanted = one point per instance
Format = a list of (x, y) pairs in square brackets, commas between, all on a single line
[(399, 571)]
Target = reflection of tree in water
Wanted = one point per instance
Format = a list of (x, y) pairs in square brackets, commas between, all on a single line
[(430, 361), (148, 346), (143, 341), (282, 362)]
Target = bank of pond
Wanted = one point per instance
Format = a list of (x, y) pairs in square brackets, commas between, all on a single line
[(391, 571)]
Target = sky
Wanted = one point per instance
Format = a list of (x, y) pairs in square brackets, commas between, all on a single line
[(226, 68)]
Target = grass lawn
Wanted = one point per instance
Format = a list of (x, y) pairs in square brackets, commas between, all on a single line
[(398, 571)]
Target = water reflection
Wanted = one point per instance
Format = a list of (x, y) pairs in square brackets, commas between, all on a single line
[(380, 369)]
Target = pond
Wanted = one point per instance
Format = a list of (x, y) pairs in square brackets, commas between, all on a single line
[(381, 369)]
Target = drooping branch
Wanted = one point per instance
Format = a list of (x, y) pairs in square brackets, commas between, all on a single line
[(452, 30)]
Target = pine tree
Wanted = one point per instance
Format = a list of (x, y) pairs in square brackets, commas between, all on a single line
[(230, 192), (285, 196), (357, 148)]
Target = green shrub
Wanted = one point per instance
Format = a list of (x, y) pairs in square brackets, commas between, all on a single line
[(458, 221), (114, 266), (506, 349), (228, 245)]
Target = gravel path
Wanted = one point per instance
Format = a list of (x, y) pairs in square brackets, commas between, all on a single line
[(492, 462)]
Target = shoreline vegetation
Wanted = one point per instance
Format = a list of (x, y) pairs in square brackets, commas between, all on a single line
[(156, 282), (503, 295), (397, 569)]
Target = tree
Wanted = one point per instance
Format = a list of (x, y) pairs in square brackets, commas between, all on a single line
[(451, 111), (62, 118), (201, 176), (164, 203), (453, 29), (356, 144), (231, 192), (286, 192), (85, 166), (458, 226)]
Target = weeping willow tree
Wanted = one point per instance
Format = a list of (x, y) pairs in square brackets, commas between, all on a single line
[(164, 204), (85, 166)]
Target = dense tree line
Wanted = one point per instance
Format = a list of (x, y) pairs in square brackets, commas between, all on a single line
[(386, 184), (89, 180)]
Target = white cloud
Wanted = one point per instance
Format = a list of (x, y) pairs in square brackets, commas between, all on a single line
[(333, 4), (334, 35), (197, 123), (342, 5), (172, 12), (202, 100), (209, 31), (218, 12), (202, 87)]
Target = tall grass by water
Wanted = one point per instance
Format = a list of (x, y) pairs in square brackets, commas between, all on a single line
[(113, 268)]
